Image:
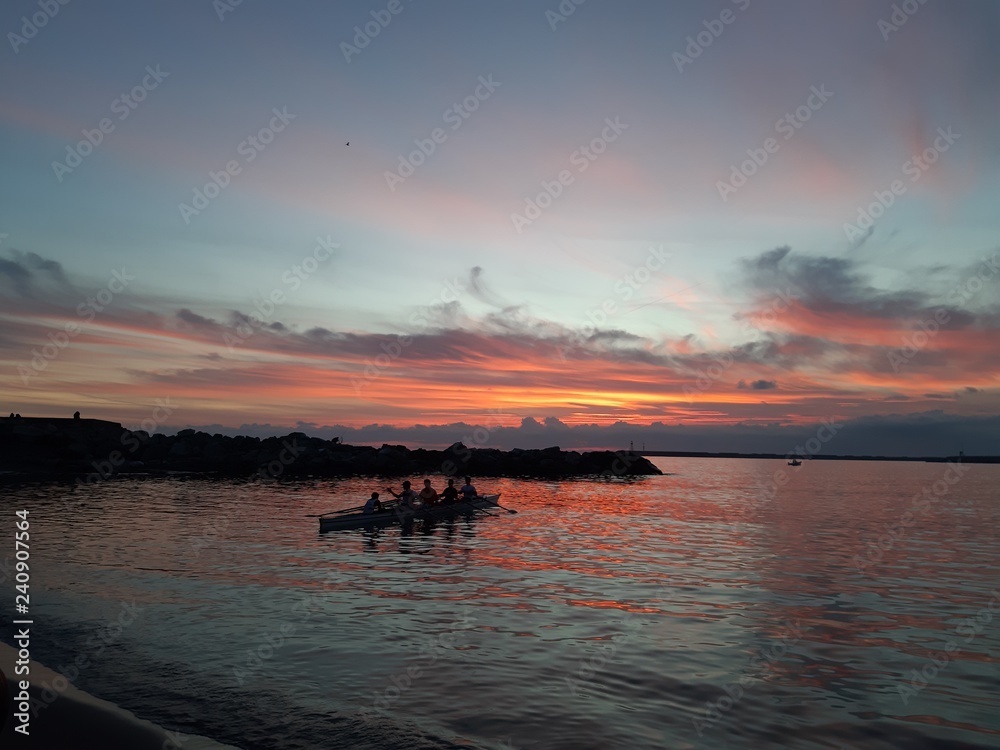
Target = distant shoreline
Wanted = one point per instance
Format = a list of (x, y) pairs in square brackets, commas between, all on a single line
[(822, 457)]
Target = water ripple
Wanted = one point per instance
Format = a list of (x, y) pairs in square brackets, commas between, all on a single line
[(674, 611)]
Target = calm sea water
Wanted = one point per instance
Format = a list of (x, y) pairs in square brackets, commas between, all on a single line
[(857, 606)]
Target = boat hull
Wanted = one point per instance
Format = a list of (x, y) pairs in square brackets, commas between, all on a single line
[(399, 514)]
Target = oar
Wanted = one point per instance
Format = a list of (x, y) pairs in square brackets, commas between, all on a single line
[(431, 511), (476, 507), (509, 510), (471, 508), (329, 512)]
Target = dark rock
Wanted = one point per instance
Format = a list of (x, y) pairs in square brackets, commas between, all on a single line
[(94, 447)]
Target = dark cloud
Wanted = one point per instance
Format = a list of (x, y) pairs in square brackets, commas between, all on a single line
[(438, 315), (613, 336), (52, 268), (768, 262), (17, 276), (932, 433), (247, 378), (757, 385), (323, 335), (194, 319), (838, 286), (25, 271), (482, 292)]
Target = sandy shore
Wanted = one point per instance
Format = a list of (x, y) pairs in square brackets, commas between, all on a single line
[(79, 720)]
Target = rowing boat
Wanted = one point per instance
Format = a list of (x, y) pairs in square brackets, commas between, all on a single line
[(401, 514)]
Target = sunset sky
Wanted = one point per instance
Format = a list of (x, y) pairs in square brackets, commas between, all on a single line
[(740, 217)]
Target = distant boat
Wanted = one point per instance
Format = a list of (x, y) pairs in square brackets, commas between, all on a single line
[(795, 462)]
